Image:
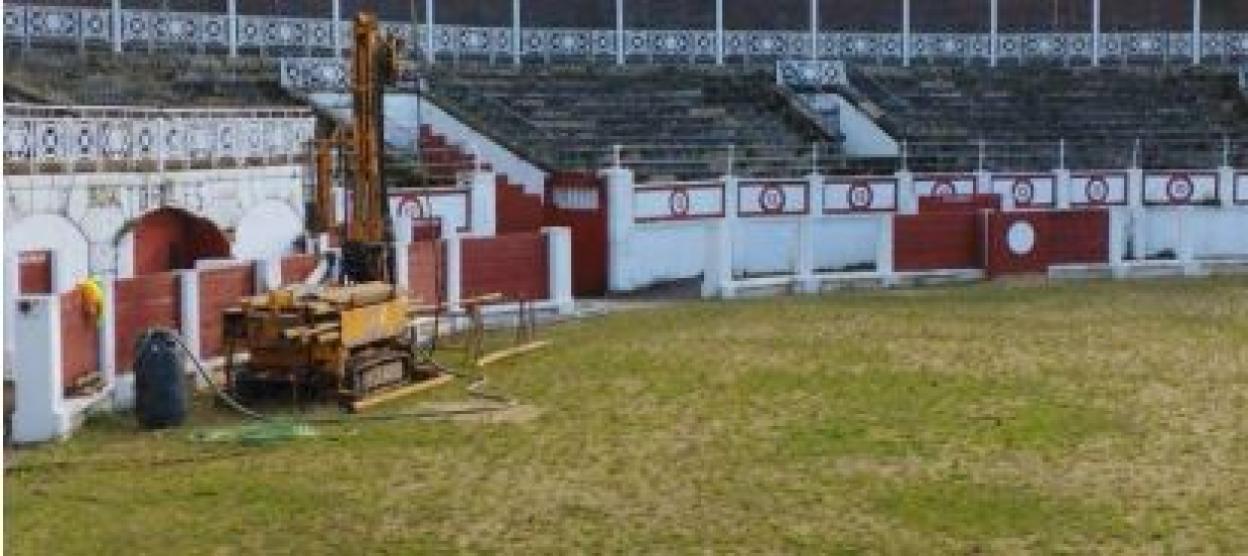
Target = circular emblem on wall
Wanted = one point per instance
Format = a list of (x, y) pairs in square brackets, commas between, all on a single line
[(1020, 238), (944, 188), (860, 196), (1024, 191), (771, 199), (1180, 188), (1097, 189), (678, 202)]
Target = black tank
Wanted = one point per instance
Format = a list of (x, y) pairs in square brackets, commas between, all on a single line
[(159, 381)]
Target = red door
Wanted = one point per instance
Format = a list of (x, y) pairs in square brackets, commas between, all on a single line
[(578, 200), (34, 274)]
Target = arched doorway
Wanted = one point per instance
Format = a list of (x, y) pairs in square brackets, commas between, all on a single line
[(173, 239)]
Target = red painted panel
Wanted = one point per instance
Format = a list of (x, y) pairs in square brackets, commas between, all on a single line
[(172, 239), (34, 272), (937, 241), (426, 271), (80, 338), (220, 289), (514, 265), (516, 210), (142, 302), (297, 268), (589, 231), (959, 203), (1079, 236)]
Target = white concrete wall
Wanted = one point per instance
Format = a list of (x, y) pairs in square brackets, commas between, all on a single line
[(1215, 232), (406, 112), (862, 136)]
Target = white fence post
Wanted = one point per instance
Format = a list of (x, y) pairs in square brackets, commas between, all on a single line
[(515, 32), (1226, 186), (905, 33), (190, 311), (619, 182), (484, 221), (1197, 35), (1139, 216), (1061, 189), (1096, 33), (559, 265), (907, 197), (114, 19), (806, 280), (402, 265), (454, 269), (1186, 252), (1117, 242), (40, 413), (717, 273), (108, 338), (719, 32), (335, 26), (884, 264), (231, 27), (429, 42), (619, 32)]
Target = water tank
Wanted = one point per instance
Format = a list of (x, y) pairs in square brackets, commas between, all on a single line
[(159, 381)]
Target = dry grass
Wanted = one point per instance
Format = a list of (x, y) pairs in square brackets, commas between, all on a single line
[(1096, 418)]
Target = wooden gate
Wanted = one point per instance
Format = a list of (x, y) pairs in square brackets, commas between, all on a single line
[(578, 200)]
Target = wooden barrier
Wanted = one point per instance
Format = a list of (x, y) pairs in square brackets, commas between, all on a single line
[(80, 338), (515, 265), (219, 289), (143, 302)]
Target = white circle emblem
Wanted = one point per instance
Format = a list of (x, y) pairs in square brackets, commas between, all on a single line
[(1021, 238)]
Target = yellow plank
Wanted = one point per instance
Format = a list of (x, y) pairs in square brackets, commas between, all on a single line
[(408, 390), (512, 352)]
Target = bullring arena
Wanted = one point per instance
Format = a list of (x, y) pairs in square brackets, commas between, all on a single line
[(796, 276)]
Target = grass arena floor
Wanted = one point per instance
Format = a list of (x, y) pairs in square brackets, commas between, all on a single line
[(1080, 418)]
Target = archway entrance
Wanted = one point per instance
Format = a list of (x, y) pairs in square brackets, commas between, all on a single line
[(173, 239)]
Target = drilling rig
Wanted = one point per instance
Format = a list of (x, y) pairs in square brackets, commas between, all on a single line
[(354, 338)]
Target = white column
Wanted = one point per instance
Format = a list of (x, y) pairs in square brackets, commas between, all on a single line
[(727, 237), (40, 412), (559, 264), (429, 42), (1139, 216), (806, 282), (515, 32), (907, 197), (884, 265), (335, 26), (403, 262), (1197, 47), (619, 32), (108, 343), (231, 26), (1117, 242), (814, 29), (454, 266), (719, 32), (1096, 32), (994, 29), (268, 274), (115, 25), (1061, 188), (619, 226), (1187, 239), (1226, 187), (905, 32), (483, 205), (190, 310), (717, 267)]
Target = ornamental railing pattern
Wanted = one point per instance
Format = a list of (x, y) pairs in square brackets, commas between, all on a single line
[(63, 139), (210, 32)]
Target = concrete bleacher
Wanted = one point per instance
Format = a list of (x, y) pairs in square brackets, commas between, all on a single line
[(153, 80), (672, 123), (1178, 118)]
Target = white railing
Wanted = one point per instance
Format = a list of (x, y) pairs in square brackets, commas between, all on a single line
[(62, 139), (206, 32)]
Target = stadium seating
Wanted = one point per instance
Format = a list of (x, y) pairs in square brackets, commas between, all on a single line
[(672, 123), (1177, 118)]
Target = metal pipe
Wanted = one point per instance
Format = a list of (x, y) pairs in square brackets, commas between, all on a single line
[(905, 33), (1096, 33), (1197, 36), (719, 32), (619, 32), (515, 32)]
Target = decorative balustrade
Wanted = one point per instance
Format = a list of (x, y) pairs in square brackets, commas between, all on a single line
[(41, 139), (201, 31)]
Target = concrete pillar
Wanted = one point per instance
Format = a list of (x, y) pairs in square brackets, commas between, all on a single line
[(1226, 187), (454, 269), (336, 26), (1117, 242), (515, 32), (994, 23), (1139, 216), (429, 42), (719, 32), (114, 18), (190, 312), (717, 276), (1197, 35), (268, 273), (907, 197), (1096, 33), (40, 413), (1061, 189), (905, 33), (559, 264), (108, 341), (484, 187), (1187, 228), (619, 226), (619, 32), (231, 27), (806, 281), (884, 264), (402, 264), (814, 29)]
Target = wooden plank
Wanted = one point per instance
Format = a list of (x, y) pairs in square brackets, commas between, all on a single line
[(400, 392), (512, 352)]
